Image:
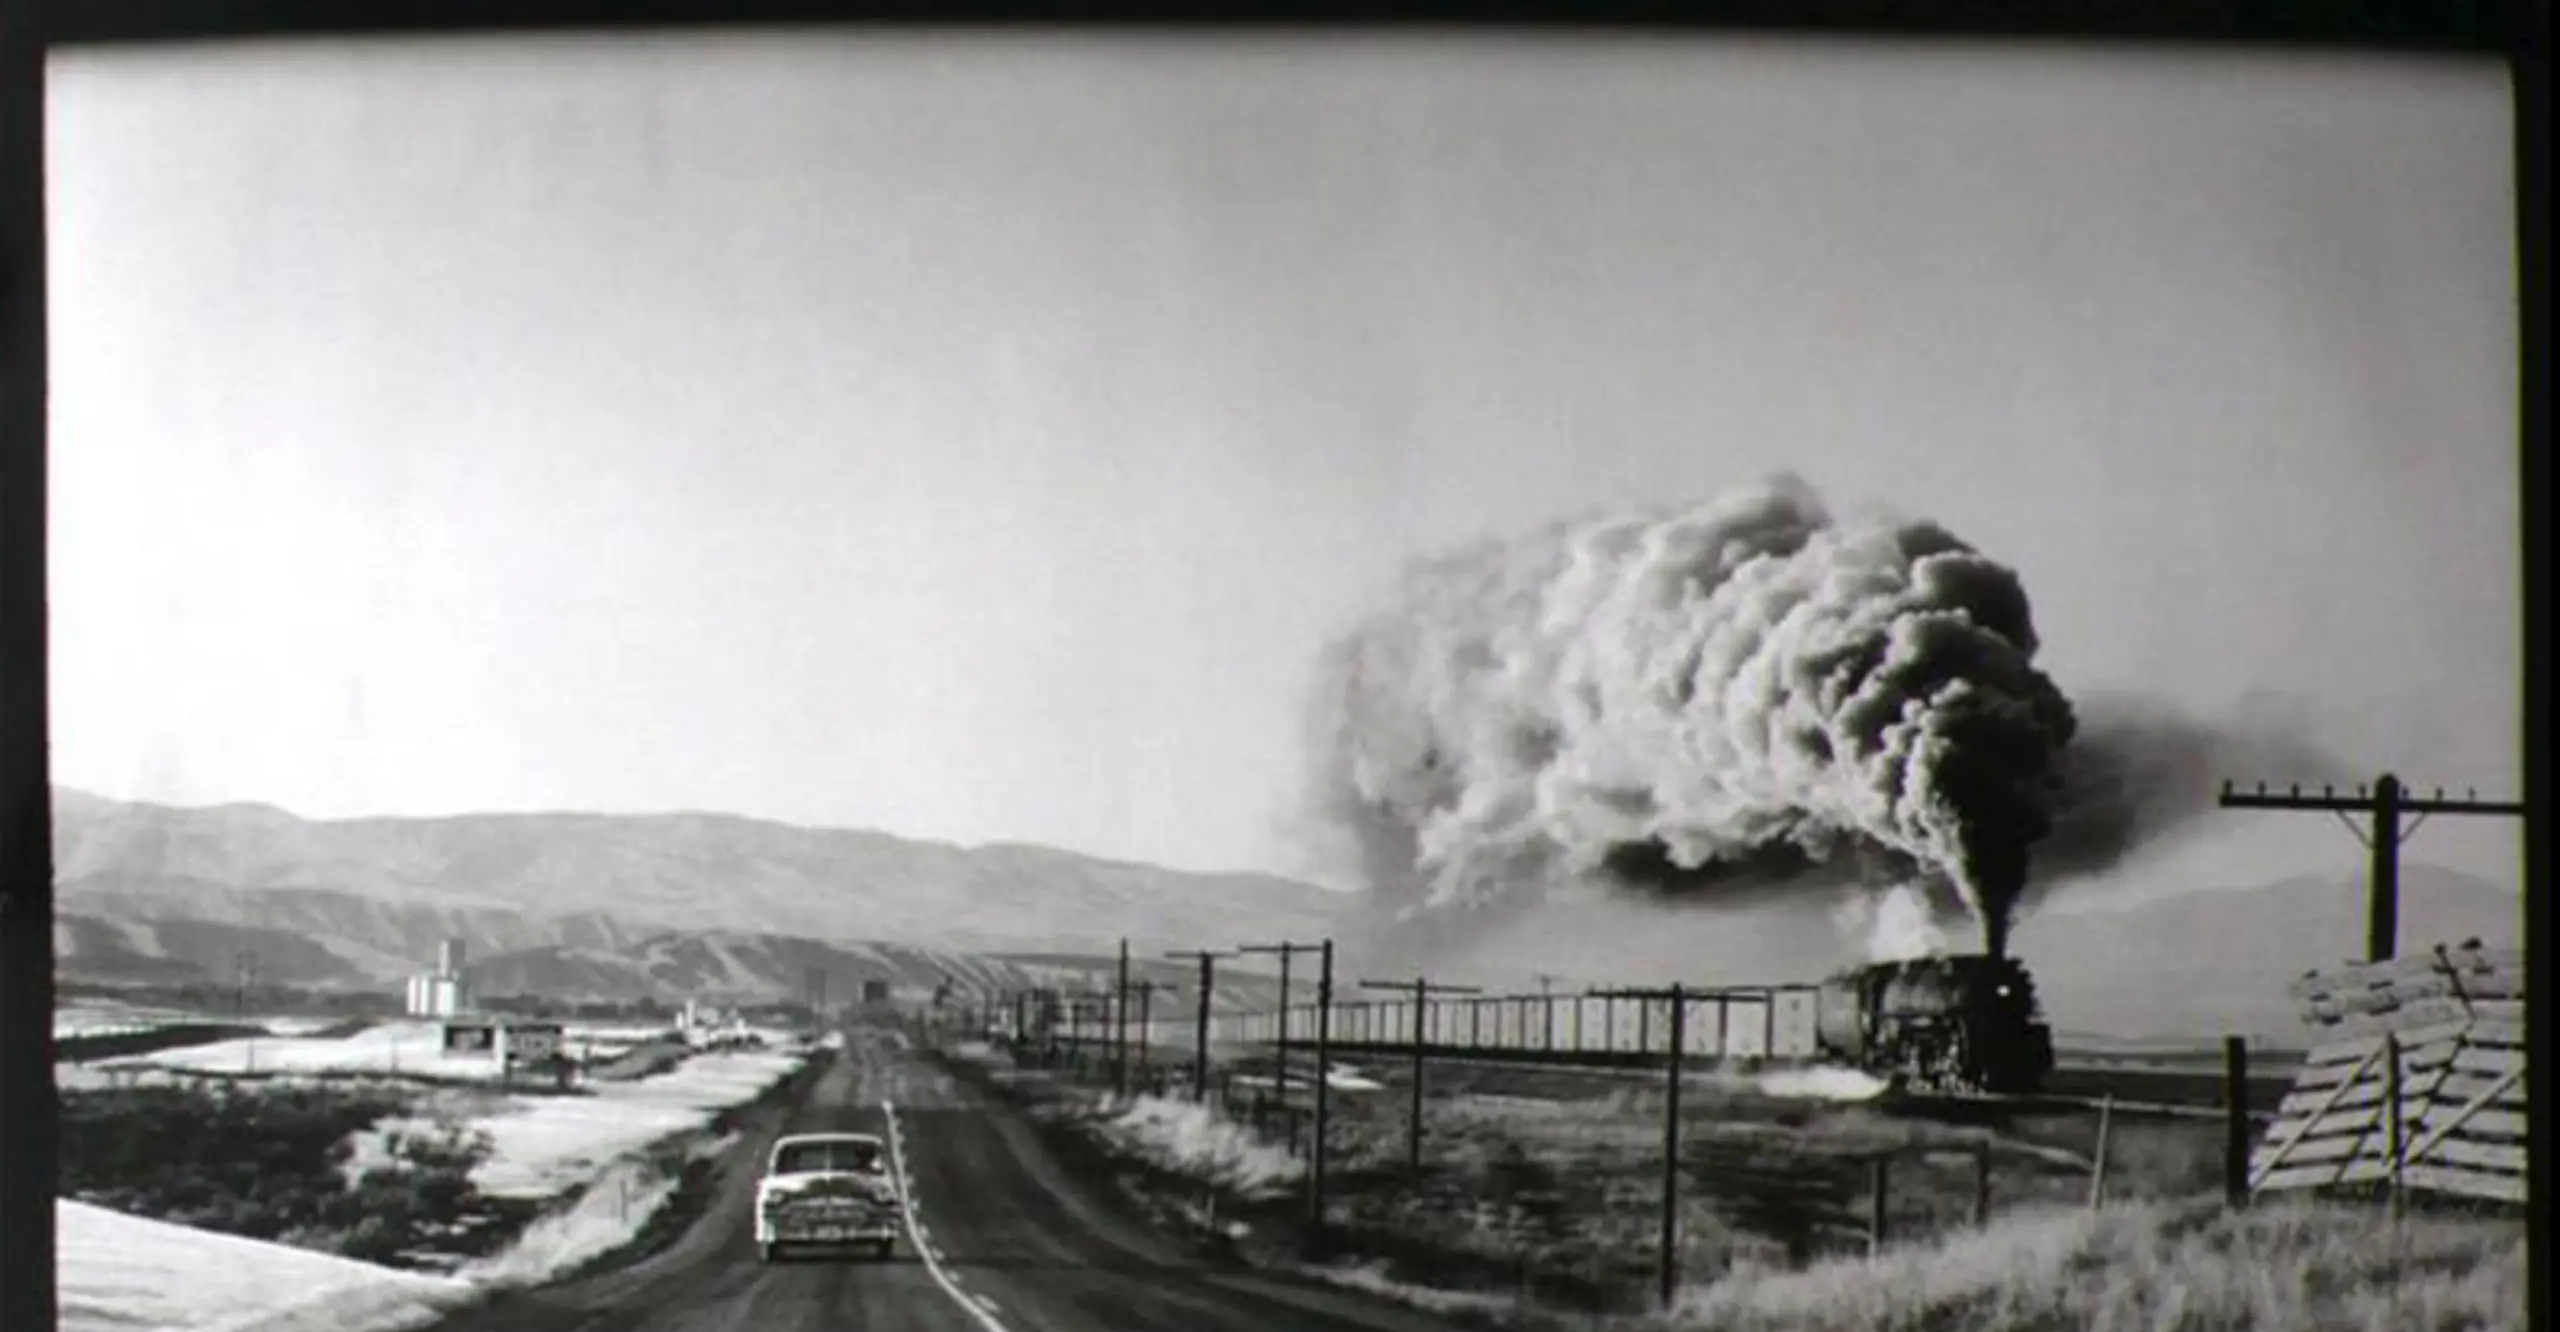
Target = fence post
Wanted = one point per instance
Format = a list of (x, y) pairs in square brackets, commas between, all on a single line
[(2392, 1117), (2235, 1127), (1879, 1199), (2098, 1157)]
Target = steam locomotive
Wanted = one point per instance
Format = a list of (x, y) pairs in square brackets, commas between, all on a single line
[(1968, 1022)]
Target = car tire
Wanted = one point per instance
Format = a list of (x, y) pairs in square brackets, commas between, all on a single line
[(771, 1253)]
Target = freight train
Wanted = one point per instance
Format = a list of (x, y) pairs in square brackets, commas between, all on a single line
[(1963, 1023)]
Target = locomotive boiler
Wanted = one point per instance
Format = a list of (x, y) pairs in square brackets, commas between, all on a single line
[(1968, 1022)]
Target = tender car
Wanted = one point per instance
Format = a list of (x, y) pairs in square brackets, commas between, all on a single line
[(827, 1190)]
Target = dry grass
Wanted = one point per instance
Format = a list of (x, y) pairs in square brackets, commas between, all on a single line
[(2152, 1267), (1543, 1213), (1562, 1198), (1194, 1141)]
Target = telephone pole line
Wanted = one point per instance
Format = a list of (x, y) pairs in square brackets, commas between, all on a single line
[(2382, 837), (1208, 982), (1316, 1151), (1421, 989)]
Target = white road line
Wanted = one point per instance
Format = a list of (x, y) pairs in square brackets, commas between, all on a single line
[(906, 1206)]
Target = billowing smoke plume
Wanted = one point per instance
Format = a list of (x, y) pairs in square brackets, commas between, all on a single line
[(2140, 770), (1898, 924), (1743, 692)]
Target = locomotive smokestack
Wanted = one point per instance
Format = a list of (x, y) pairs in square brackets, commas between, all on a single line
[(1995, 934)]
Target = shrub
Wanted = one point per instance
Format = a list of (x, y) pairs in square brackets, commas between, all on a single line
[(270, 1162)]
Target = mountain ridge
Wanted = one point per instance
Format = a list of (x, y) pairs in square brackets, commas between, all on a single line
[(669, 906), (145, 889)]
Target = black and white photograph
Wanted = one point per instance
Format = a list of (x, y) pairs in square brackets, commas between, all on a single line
[(1159, 680)]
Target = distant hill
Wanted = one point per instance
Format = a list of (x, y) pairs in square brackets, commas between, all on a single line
[(608, 906)]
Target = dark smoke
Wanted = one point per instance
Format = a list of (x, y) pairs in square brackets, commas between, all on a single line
[(1733, 697), (2140, 773)]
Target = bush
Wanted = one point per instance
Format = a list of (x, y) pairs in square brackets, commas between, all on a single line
[(271, 1163)]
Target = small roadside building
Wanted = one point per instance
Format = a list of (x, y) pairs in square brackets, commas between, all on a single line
[(516, 1045)]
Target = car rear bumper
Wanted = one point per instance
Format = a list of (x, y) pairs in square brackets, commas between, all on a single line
[(826, 1232)]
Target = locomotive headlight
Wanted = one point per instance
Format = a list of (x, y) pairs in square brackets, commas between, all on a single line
[(2004, 991)]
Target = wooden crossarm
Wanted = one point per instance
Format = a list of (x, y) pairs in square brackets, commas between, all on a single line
[(2302, 1127), (2439, 1132)]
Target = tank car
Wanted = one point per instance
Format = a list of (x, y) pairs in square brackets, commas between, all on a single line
[(1962, 1023)]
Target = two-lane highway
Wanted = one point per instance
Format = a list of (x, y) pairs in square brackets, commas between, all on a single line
[(1001, 1239)]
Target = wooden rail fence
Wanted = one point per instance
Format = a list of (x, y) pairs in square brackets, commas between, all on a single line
[(2422, 1086)]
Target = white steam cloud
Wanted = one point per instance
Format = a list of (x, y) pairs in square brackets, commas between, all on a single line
[(1675, 700), (1897, 925), (1823, 1082)]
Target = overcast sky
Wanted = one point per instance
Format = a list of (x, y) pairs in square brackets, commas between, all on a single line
[(977, 439)]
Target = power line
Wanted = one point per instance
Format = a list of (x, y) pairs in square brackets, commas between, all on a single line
[(2384, 805), (1317, 1150)]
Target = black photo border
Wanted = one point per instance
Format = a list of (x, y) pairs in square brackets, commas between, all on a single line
[(2516, 32)]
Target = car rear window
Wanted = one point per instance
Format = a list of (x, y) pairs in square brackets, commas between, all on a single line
[(804, 1157)]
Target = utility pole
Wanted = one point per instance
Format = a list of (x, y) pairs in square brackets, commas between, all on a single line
[(1145, 990), (1422, 989), (1120, 1025), (1097, 1013), (1200, 1057), (1678, 1000), (1316, 1234), (2385, 804), (1285, 950)]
